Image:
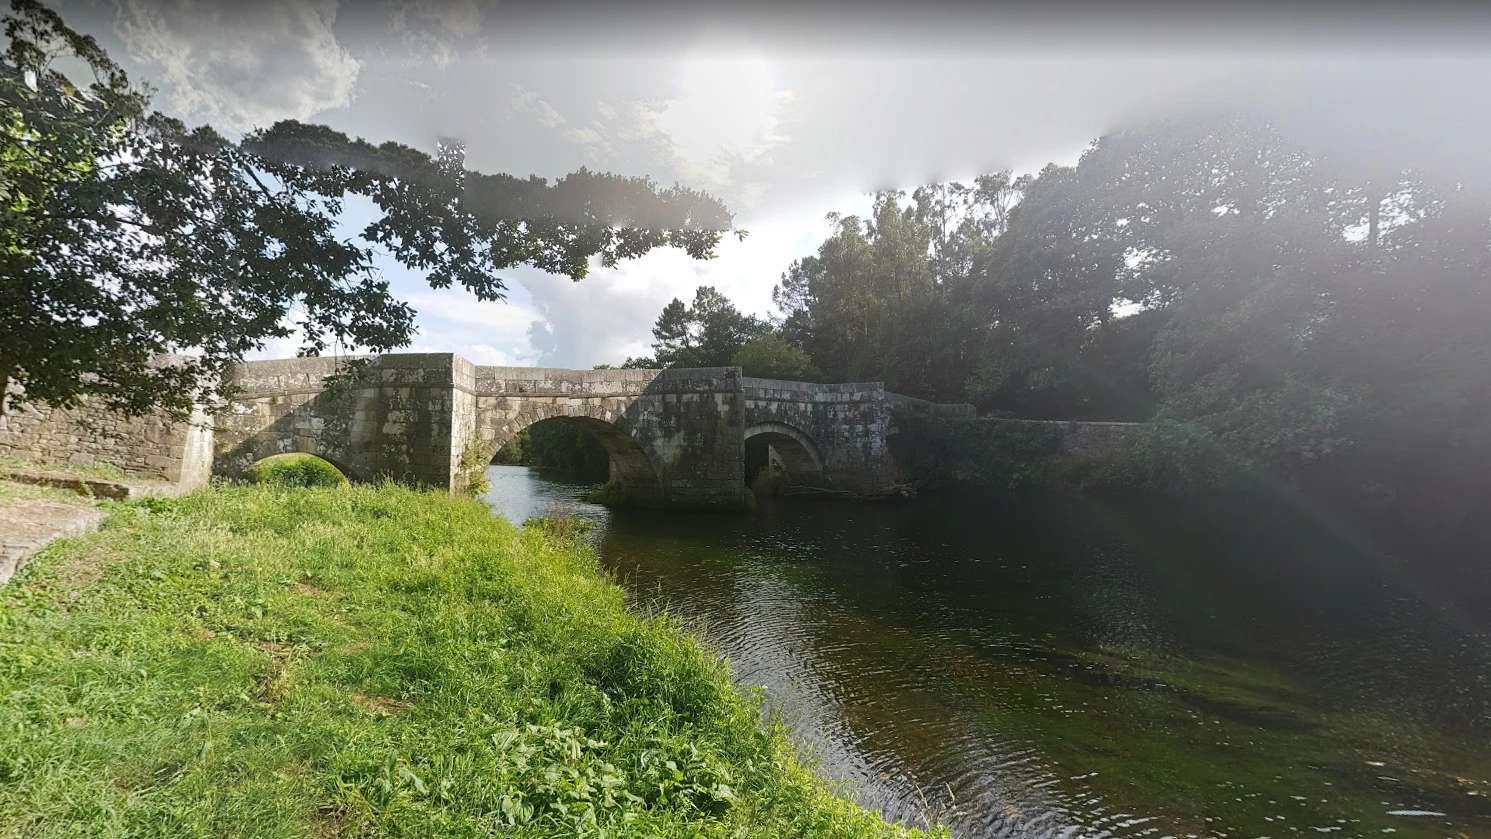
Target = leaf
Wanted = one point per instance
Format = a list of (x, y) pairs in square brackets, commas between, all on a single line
[(407, 775)]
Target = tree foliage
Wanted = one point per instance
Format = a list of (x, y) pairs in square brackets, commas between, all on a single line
[(772, 356), (559, 445), (127, 235), (1266, 310), (705, 333)]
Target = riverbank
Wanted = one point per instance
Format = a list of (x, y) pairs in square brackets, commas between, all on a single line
[(370, 661)]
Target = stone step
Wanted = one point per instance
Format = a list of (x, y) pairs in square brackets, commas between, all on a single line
[(118, 489)]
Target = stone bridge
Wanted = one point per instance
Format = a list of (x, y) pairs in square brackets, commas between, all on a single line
[(677, 438)]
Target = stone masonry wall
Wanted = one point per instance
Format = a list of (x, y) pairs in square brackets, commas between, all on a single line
[(285, 406), (693, 421), (394, 420), (846, 423), (152, 447), (1087, 439), (674, 436), (900, 402)]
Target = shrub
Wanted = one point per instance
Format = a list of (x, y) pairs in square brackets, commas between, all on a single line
[(608, 494), (296, 469)]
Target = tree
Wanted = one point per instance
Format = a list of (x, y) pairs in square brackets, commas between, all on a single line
[(879, 299), (673, 334), (705, 333), (126, 235), (1271, 311), (772, 356)]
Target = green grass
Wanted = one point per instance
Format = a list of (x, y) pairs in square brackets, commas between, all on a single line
[(11, 491), (92, 470), (296, 469), (268, 662)]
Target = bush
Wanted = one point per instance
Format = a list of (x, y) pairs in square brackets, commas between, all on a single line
[(296, 469), (608, 494)]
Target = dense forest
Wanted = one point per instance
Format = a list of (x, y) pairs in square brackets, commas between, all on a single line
[(1269, 311)]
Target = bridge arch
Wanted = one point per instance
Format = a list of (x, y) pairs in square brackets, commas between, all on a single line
[(633, 463), (799, 452)]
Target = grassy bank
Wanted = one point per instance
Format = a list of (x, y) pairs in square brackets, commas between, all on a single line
[(260, 662)]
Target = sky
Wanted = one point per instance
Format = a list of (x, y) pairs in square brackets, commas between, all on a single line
[(785, 111)]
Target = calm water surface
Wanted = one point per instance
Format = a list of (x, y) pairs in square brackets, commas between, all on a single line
[(1059, 667)]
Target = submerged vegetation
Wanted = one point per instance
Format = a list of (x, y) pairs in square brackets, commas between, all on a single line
[(261, 661)]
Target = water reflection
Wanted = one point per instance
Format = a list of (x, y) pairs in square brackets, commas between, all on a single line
[(1080, 669)]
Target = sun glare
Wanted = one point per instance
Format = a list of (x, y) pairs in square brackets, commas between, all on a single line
[(725, 105)]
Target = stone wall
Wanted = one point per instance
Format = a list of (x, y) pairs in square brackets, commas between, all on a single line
[(152, 447), (286, 406), (674, 436), (386, 417), (836, 429), (900, 402), (1086, 439)]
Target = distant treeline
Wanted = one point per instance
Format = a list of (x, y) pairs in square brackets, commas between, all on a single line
[(1271, 312), (555, 445)]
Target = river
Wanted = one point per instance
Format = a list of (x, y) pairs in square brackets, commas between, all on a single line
[(1065, 667)]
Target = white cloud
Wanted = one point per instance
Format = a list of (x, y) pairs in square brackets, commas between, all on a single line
[(454, 320), (608, 316), (241, 65), (433, 31), (591, 138), (601, 319), (725, 114)]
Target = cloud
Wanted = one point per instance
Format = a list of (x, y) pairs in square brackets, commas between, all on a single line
[(454, 320), (725, 113), (591, 138), (601, 319), (240, 65), (436, 32), (608, 316)]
